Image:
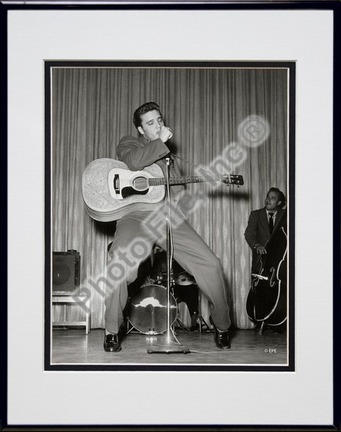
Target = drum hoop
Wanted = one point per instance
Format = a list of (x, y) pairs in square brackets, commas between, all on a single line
[(173, 304)]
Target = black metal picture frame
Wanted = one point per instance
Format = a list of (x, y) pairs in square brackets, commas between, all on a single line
[(13, 337)]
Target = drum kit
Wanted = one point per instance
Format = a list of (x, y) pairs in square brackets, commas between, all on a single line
[(147, 307)]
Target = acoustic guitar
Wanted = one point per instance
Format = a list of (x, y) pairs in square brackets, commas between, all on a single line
[(110, 190)]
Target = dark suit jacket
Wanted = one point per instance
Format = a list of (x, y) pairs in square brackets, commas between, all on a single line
[(137, 153), (257, 230)]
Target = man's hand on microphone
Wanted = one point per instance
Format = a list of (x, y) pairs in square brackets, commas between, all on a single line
[(165, 133)]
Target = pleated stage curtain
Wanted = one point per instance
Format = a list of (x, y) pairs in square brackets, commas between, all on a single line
[(207, 110)]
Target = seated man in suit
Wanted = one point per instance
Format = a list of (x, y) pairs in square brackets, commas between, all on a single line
[(262, 222)]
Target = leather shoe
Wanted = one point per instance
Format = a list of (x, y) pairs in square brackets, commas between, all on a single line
[(112, 343), (221, 338)]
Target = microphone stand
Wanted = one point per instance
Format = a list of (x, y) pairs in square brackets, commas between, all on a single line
[(170, 343)]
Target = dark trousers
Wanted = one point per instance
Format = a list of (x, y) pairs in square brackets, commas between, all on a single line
[(134, 239)]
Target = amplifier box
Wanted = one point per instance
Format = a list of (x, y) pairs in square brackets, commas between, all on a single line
[(66, 272)]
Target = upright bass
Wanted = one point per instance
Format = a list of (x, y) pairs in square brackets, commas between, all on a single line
[(267, 299)]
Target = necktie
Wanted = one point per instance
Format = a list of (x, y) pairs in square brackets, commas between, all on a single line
[(271, 222)]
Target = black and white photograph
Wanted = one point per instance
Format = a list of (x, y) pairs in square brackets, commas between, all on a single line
[(171, 217), (169, 214)]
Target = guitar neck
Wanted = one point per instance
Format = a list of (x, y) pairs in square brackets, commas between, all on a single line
[(183, 180)]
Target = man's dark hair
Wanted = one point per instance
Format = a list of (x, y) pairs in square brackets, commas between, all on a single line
[(280, 194), (143, 109)]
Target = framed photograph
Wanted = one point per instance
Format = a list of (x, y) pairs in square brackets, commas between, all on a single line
[(212, 118)]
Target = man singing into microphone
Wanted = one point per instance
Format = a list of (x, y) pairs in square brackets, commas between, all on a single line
[(134, 238)]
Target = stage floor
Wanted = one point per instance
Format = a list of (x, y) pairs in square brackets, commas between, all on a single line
[(73, 347)]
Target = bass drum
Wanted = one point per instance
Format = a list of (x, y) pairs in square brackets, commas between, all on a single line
[(147, 310)]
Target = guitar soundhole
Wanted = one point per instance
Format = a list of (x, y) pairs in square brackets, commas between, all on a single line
[(140, 183)]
